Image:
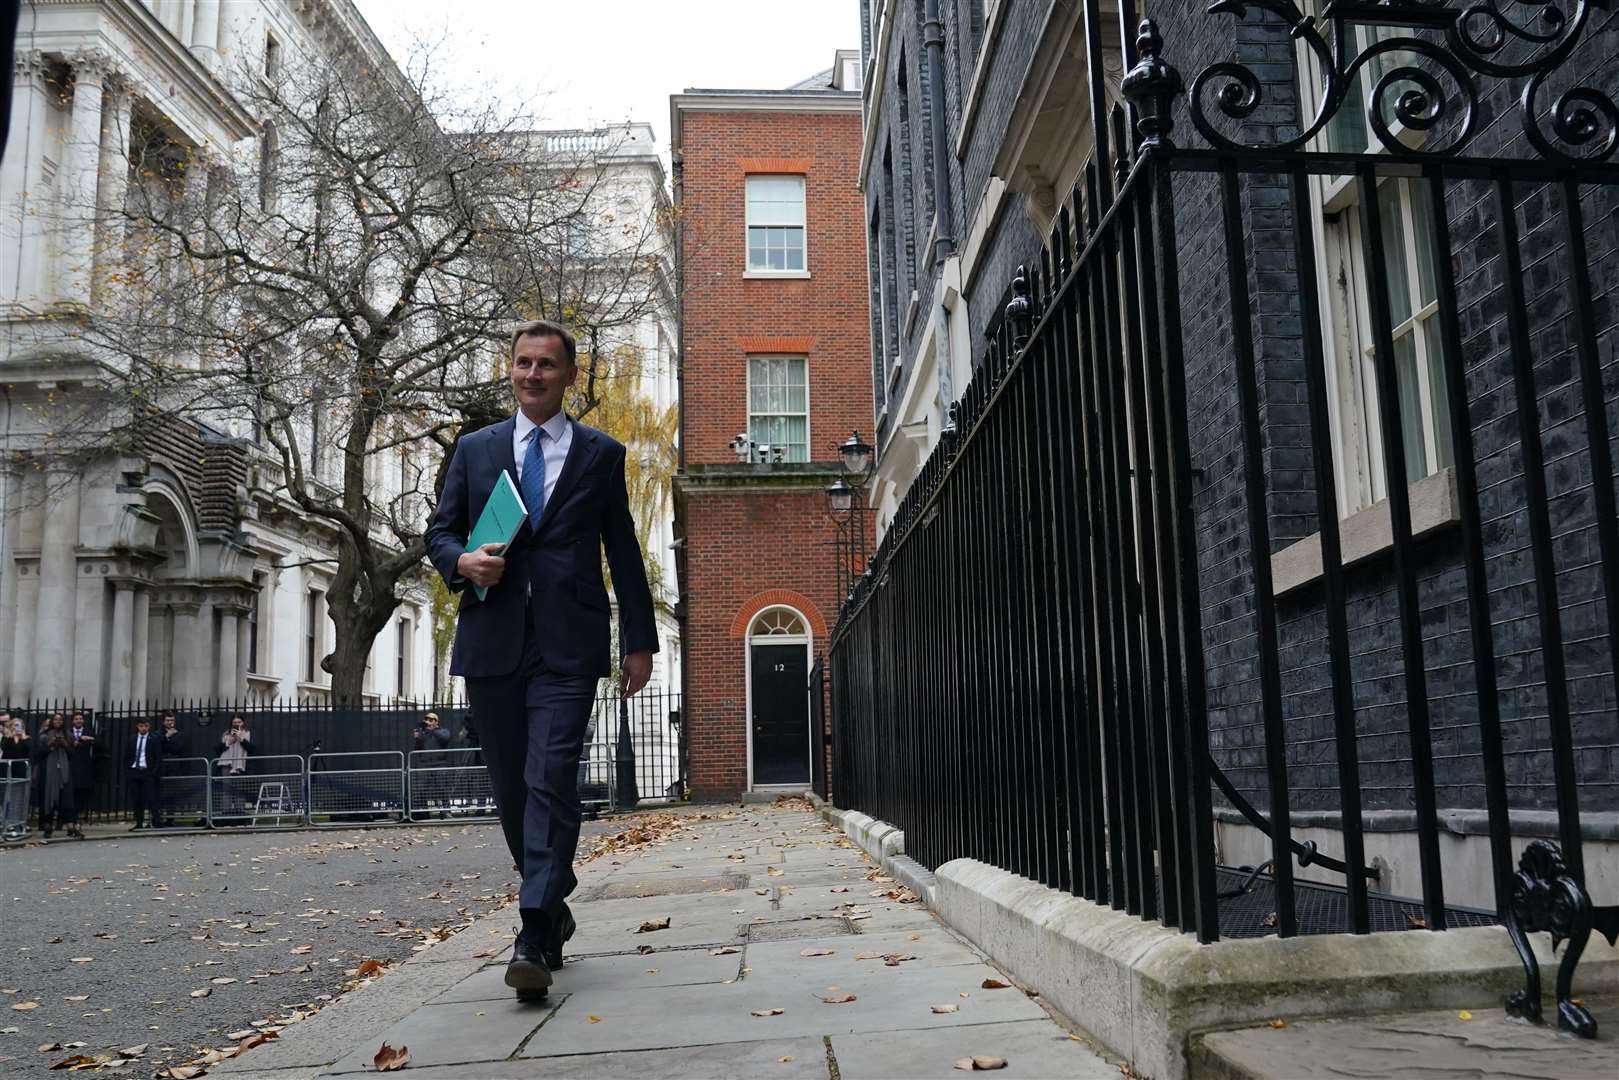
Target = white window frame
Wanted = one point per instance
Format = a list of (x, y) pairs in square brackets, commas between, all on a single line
[(1353, 420), (802, 225), (752, 433)]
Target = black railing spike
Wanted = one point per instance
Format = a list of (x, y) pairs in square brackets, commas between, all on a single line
[(1019, 309), (1152, 85), (1121, 148)]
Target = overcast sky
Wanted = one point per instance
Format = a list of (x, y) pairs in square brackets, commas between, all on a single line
[(588, 62)]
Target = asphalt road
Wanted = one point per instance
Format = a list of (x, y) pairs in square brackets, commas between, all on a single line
[(111, 938)]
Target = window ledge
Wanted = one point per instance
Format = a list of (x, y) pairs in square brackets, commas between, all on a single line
[(790, 275), (314, 688), (262, 679), (1368, 533)]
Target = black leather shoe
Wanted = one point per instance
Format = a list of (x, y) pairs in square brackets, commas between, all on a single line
[(527, 972), (562, 928)]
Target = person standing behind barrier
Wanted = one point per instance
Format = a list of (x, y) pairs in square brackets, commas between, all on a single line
[(235, 747), (143, 757), (14, 742), (53, 779), (85, 752), (14, 746), (175, 747), (429, 735)]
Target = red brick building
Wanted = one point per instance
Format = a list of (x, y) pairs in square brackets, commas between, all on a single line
[(775, 373)]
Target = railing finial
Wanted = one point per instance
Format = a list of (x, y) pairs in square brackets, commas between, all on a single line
[(1019, 308), (1153, 84)]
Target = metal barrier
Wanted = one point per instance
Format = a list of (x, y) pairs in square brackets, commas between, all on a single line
[(356, 786), (182, 794), (449, 783), (271, 787), (14, 787)]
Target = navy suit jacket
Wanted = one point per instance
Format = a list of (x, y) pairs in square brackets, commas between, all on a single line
[(560, 566)]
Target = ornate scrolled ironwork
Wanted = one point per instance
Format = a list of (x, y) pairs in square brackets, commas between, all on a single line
[(1545, 897), (1461, 41)]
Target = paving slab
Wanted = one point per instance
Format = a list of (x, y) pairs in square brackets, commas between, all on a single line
[(1032, 1050), (805, 1060), (462, 1032), (679, 1010), (1437, 1045)]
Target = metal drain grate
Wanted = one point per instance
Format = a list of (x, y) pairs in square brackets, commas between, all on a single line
[(1322, 909), (662, 886), (797, 928)]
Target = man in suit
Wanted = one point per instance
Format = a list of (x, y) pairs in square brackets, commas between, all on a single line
[(533, 649), (143, 757), (175, 747)]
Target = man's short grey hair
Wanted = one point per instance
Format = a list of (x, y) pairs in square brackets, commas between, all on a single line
[(545, 328)]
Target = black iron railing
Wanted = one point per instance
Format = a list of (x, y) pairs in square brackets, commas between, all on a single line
[(1026, 673)]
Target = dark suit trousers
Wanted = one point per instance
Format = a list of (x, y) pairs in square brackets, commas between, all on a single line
[(143, 791), (531, 726)]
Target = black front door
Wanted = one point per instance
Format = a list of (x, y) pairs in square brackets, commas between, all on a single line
[(780, 714)]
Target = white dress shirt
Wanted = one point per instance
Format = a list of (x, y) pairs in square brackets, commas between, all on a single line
[(558, 439)]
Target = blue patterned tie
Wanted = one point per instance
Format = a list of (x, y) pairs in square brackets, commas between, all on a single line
[(533, 480)]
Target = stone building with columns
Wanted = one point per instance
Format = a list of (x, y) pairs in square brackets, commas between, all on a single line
[(179, 570)]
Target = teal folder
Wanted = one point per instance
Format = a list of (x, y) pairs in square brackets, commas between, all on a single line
[(502, 516)]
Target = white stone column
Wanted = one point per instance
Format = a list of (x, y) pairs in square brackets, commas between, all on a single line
[(90, 614), (189, 670), (205, 34), (77, 185), (140, 635), (22, 182), (228, 686), (121, 664), (58, 587), (183, 25), (113, 192)]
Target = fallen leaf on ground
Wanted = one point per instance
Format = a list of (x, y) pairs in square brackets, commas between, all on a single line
[(204, 992), (840, 888), (244, 1033), (768, 1012), (389, 1059), (980, 1064), (994, 984), (1464, 1015), (48, 1048), (54, 941), (24, 1006), (77, 997), (133, 1051), (484, 953), (376, 967), (946, 1008), (654, 924), (773, 871), (815, 952), (74, 1061), (895, 959), (724, 950), (182, 1072), (300, 950), (1416, 922), (1278, 1023), (80, 959), (839, 999), (223, 980), (785, 1058), (594, 1019)]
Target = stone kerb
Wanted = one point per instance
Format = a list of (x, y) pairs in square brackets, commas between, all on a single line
[(1144, 990)]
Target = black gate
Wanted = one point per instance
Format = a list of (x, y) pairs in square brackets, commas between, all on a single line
[(1074, 624)]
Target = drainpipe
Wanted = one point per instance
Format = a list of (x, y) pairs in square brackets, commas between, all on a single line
[(944, 245)]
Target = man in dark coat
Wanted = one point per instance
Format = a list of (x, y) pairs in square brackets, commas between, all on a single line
[(84, 753), (175, 747), (143, 757)]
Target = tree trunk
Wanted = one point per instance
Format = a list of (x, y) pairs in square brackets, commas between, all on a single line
[(356, 627)]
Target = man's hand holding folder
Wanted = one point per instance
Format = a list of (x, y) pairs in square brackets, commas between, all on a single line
[(503, 515)]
